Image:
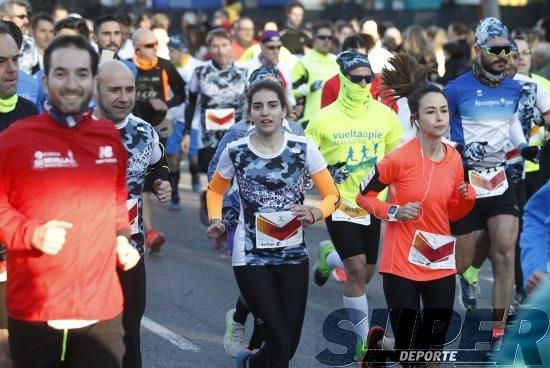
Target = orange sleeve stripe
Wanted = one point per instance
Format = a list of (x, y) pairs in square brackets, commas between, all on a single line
[(331, 196), (165, 85), (214, 195)]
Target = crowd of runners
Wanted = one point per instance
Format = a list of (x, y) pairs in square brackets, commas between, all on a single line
[(427, 148)]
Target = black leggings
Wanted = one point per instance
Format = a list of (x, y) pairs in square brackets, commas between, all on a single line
[(403, 299), (277, 297), (133, 288), (37, 345)]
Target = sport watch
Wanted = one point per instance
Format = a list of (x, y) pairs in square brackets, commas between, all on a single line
[(392, 211)]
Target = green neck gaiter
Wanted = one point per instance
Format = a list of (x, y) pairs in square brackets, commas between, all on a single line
[(7, 105), (353, 99)]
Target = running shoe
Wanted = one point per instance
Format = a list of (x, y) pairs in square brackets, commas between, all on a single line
[(242, 357), (155, 240), (322, 271), (203, 212), (360, 350), (175, 204), (233, 341), (497, 336), (469, 292), (339, 275), (373, 355), (196, 183)]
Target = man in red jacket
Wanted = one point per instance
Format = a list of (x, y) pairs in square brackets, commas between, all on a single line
[(64, 221)]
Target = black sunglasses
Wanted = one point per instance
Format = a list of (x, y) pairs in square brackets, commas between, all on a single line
[(358, 78), (151, 45), (325, 38), (499, 50)]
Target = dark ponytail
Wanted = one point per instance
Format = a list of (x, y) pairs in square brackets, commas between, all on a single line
[(407, 78)]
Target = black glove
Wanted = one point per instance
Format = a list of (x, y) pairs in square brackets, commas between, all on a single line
[(530, 153), (338, 172), (474, 151)]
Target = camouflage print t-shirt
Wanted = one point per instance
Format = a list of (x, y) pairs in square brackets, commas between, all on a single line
[(143, 147), (222, 98), (268, 184)]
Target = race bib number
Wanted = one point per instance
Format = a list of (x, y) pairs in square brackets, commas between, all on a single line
[(433, 251), (488, 183), (278, 230), (349, 213), (219, 119), (133, 214)]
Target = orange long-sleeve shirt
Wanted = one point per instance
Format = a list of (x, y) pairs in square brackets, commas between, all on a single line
[(409, 177)]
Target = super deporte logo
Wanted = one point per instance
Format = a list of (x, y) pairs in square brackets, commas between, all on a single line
[(468, 341)]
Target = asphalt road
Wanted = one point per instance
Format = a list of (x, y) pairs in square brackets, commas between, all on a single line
[(190, 287)]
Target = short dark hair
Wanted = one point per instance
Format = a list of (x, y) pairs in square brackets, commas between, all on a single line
[(294, 4), (103, 19), (217, 32), (322, 24), (4, 30), (141, 17), (71, 41), (14, 31), (124, 19), (77, 24), (459, 28), (269, 85), (358, 41), (41, 16)]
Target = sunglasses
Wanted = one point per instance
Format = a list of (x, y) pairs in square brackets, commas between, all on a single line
[(357, 79), (151, 45), (325, 38), (273, 48), (498, 50)]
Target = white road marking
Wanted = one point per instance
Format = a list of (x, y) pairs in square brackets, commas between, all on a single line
[(168, 335)]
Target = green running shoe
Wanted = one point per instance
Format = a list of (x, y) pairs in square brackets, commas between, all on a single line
[(322, 271)]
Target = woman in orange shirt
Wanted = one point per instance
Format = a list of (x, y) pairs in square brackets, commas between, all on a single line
[(426, 190)]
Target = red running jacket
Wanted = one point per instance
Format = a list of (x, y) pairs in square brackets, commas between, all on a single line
[(52, 172)]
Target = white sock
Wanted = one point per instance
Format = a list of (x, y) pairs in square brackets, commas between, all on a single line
[(357, 309), (334, 260)]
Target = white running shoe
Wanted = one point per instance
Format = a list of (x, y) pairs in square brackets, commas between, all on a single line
[(235, 333)]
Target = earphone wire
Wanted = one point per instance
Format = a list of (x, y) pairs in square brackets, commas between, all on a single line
[(429, 182)]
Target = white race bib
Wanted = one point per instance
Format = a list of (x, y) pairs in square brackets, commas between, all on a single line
[(433, 251), (488, 183), (219, 119), (133, 214), (349, 213), (278, 230)]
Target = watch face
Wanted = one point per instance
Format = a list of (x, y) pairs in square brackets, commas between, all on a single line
[(392, 210)]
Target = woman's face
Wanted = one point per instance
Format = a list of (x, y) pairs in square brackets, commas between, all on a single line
[(433, 115), (267, 112)]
